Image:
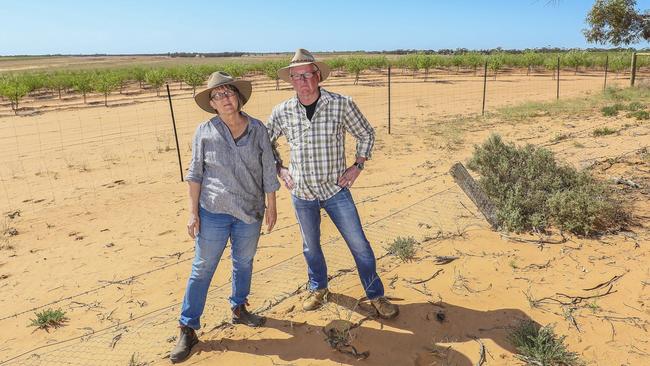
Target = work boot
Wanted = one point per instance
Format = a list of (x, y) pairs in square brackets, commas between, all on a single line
[(240, 315), (315, 299), (186, 340), (384, 308)]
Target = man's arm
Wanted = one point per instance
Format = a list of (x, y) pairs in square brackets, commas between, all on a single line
[(358, 126)]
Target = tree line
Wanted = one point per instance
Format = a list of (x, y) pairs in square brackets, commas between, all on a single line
[(16, 86)]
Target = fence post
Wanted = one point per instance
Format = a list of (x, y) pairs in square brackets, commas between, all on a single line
[(606, 66), (484, 87), (178, 150), (633, 77), (558, 79), (389, 99)]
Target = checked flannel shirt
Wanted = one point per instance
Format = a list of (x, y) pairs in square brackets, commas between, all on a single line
[(317, 147)]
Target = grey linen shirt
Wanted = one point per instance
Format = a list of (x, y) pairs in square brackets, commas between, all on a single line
[(317, 147), (234, 177)]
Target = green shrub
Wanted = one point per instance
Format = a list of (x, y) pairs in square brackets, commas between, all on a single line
[(603, 131), (533, 192), (639, 115), (635, 106), (403, 248), (49, 318), (609, 111), (540, 346)]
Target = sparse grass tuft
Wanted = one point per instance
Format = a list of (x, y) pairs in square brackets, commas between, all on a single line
[(603, 131), (135, 361), (560, 137), (639, 115), (403, 248), (533, 192), (635, 106), (49, 318), (609, 111), (539, 346)]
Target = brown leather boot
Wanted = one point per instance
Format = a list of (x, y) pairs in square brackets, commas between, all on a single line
[(315, 299), (186, 340), (240, 315), (385, 308)]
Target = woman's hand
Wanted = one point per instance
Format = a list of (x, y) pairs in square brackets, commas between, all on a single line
[(193, 225), (271, 217)]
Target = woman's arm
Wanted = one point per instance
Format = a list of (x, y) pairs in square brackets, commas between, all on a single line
[(194, 223)]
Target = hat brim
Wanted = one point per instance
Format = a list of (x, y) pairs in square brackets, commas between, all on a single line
[(283, 73), (244, 87)]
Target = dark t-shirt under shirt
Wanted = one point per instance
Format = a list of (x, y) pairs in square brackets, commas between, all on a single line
[(311, 108)]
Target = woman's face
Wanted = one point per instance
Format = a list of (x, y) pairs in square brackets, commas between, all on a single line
[(224, 100)]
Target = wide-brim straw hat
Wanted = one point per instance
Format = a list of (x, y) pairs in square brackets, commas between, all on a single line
[(300, 58), (220, 78)]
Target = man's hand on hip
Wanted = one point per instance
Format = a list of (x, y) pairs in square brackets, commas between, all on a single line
[(283, 173), (349, 176)]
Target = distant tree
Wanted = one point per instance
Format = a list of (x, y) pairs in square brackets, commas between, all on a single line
[(193, 77), (155, 78), (13, 89), (618, 22), (271, 68), (82, 82), (105, 82)]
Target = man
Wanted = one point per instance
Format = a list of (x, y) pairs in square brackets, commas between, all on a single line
[(314, 123)]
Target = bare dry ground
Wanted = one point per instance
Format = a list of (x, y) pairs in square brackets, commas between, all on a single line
[(95, 198)]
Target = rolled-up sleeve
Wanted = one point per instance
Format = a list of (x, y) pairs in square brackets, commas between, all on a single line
[(274, 133), (359, 127), (195, 169), (269, 172)]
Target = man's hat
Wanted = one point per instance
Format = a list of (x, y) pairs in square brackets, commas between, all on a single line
[(304, 57), (220, 78)]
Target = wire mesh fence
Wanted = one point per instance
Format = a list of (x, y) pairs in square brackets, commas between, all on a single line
[(72, 159)]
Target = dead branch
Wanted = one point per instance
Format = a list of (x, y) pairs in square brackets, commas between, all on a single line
[(444, 259), (606, 283), (417, 282)]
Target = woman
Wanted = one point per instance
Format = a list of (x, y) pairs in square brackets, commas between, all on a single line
[(232, 169)]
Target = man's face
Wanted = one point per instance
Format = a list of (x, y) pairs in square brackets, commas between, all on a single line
[(304, 86)]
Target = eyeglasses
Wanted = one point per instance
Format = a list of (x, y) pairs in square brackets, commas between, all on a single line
[(226, 94), (304, 75)]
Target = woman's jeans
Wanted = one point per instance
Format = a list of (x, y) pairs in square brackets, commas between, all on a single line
[(343, 212), (215, 230)]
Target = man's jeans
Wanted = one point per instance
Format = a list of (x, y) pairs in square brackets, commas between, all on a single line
[(343, 212), (215, 229)]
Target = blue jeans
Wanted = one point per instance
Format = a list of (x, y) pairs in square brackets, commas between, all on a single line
[(215, 229), (343, 212)]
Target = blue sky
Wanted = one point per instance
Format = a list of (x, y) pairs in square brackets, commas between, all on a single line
[(120, 26)]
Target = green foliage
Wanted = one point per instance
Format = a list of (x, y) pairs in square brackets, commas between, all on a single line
[(105, 83), (640, 115), (617, 22), (603, 131), (49, 318), (403, 248), (193, 76), (533, 192), (539, 346), (609, 111), (13, 88), (155, 78)]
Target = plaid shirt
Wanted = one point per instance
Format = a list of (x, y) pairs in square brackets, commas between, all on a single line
[(317, 147)]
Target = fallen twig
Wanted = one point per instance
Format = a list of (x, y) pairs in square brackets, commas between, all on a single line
[(606, 283), (417, 282)]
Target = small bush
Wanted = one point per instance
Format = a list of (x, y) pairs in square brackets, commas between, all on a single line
[(540, 346), (603, 131), (49, 318), (403, 248), (533, 192), (639, 115), (635, 106), (609, 111)]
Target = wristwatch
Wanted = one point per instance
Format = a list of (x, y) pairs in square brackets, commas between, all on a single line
[(359, 166)]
